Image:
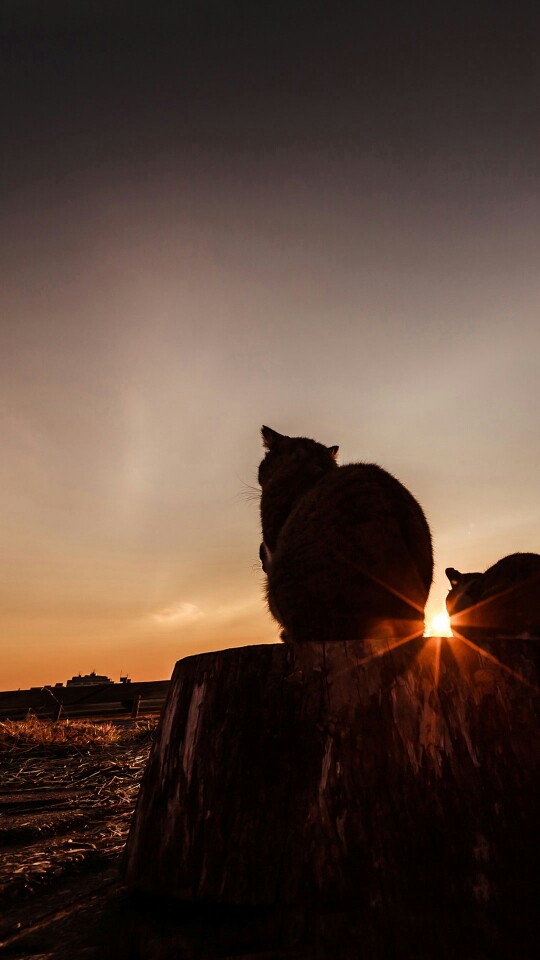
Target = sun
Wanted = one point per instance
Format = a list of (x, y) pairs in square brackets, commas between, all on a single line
[(439, 625)]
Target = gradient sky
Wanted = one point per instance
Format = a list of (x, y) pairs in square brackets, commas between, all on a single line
[(218, 215)]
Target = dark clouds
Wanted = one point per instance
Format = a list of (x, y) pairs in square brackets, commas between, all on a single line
[(91, 85)]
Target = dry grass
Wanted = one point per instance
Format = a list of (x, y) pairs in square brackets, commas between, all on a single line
[(34, 732), (68, 790)]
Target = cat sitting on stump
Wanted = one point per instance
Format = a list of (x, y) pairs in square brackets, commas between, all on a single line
[(346, 549), (502, 602)]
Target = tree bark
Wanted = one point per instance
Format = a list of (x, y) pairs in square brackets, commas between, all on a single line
[(399, 784)]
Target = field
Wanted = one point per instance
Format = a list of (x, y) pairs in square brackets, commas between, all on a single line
[(67, 793)]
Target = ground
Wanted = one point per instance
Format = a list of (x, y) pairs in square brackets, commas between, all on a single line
[(67, 794)]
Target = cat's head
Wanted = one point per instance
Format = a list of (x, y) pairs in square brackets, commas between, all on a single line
[(460, 596), (293, 453)]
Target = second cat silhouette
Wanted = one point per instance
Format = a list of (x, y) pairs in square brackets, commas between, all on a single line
[(502, 602), (347, 550)]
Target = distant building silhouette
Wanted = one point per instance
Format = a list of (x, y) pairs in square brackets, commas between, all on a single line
[(88, 679)]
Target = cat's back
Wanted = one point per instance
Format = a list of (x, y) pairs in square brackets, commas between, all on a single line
[(360, 495), (357, 484), (359, 507), (514, 570)]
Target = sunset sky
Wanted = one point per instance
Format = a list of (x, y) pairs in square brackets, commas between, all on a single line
[(218, 215)]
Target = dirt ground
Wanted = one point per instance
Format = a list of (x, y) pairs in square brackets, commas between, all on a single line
[(65, 811)]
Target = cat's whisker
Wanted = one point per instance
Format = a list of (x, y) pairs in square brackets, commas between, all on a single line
[(250, 493), (248, 496)]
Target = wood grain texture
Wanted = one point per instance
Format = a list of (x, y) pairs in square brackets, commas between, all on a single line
[(403, 788)]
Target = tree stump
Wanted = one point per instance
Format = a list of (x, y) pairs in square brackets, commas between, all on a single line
[(398, 784)]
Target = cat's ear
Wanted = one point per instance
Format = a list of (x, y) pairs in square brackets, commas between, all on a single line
[(269, 437), (453, 575), (334, 451)]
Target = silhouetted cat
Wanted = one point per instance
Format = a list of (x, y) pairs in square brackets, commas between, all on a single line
[(503, 601), (347, 550)]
